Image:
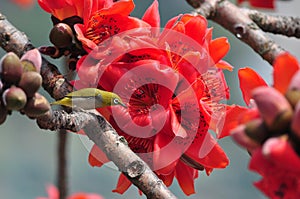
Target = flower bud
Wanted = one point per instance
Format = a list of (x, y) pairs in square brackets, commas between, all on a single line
[(14, 98), (293, 96), (61, 35), (293, 92), (11, 68), (30, 82), (240, 136), (32, 61), (295, 81), (3, 113), (274, 108), (279, 151), (296, 121), (36, 106), (257, 130)]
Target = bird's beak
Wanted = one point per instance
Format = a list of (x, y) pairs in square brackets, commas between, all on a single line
[(122, 104)]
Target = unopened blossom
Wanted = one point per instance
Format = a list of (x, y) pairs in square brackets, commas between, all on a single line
[(272, 135)]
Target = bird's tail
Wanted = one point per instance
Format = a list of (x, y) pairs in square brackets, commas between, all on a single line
[(63, 102)]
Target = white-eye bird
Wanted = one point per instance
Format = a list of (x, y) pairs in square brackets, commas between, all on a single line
[(90, 98)]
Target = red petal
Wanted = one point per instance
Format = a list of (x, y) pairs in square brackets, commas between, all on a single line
[(218, 48), (89, 9), (97, 157), (206, 151), (167, 179), (278, 151), (140, 73), (87, 72), (191, 94), (151, 15), (249, 80), (44, 5), (168, 33), (92, 6), (51, 5), (166, 153), (191, 66), (88, 45), (111, 76), (177, 129), (123, 7), (65, 12), (224, 65), (285, 66), (195, 27), (232, 119), (185, 176), (208, 35), (172, 22), (191, 108), (123, 184)]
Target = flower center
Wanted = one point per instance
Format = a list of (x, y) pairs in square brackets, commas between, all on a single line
[(101, 27), (143, 99)]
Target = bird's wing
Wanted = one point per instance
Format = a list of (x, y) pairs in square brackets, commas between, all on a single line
[(86, 92)]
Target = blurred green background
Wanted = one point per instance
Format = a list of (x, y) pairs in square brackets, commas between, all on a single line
[(28, 154)]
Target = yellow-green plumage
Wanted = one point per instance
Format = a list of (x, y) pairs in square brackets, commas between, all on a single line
[(90, 98)]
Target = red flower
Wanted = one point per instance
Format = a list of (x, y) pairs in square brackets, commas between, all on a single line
[(259, 3), (54, 194), (62, 9), (106, 22), (172, 84), (279, 166), (157, 123)]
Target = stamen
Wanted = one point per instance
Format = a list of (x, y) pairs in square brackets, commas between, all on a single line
[(215, 90)]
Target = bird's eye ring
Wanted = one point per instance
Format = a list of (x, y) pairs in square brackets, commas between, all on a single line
[(116, 101)]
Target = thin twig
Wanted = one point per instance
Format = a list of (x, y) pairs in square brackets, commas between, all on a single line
[(62, 167), (113, 145), (284, 25), (238, 23)]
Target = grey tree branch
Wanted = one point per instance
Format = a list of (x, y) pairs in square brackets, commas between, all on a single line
[(284, 25), (11, 39), (240, 24), (95, 126), (113, 145)]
